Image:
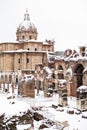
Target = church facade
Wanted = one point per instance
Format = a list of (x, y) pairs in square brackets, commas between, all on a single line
[(25, 52)]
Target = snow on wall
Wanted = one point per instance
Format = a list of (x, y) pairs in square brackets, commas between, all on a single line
[(49, 71), (85, 70), (69, 72)]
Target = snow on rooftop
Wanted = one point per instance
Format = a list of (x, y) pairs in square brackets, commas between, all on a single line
[(74, 56), (69, 72), (45, 43), (21, 41), (30, 40), (27, 77), (50, 56), (48, 70), (83, 87), (21, 50), (79, 57)]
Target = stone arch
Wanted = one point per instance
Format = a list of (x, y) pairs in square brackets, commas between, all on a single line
[(76, 80), (60, 72), (78, 73)]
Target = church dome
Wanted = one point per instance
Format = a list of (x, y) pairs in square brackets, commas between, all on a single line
[(26, 27)]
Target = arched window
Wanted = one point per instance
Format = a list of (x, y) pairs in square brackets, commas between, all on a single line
[(60, 67), (35, 49), (30, 37), (78, 70)]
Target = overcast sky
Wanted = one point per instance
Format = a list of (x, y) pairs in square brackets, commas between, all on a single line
[(65, 21)]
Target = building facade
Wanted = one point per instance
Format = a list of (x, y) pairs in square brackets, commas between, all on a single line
[(24, 53)]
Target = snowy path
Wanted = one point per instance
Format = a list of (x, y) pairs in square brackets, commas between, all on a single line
[(76, 122)]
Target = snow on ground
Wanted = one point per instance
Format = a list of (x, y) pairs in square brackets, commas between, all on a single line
[(23, 127), (75, 121), (20, 104), (12, 106)]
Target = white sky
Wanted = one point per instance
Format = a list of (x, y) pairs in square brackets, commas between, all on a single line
[(65, 21)]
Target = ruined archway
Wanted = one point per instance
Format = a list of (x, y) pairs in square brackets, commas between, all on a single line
[(77, 80), (78, 72)]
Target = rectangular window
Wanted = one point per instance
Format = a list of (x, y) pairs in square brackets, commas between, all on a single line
[(2, 77), (22, 37), (6, 77), (19, 61), (27, 60)]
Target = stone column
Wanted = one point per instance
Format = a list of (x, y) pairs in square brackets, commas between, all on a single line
[(42, 83), (3, 81), (56, 79), (12, 82), (45, 86)]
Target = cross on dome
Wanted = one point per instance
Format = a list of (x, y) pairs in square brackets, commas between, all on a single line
[(26, 15)]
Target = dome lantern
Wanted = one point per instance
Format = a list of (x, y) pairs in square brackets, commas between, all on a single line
[(26, 16)]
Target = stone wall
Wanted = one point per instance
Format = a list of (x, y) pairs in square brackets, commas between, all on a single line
[(27, 88)]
